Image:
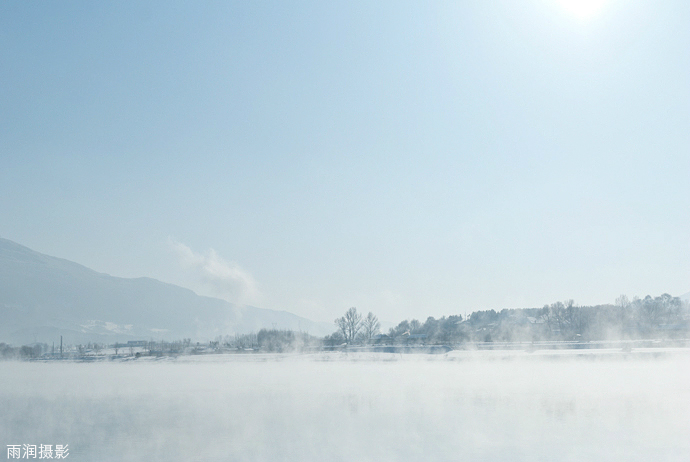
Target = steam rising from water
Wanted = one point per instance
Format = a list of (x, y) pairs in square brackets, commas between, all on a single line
[(227, 279), (332, 408)]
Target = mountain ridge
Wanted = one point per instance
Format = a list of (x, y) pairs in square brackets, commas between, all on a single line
[(42, 297)]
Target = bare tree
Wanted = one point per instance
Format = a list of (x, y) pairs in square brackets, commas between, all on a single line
[(415, 325), (623, 301), (370, 326), (350, 324), (652, 310)]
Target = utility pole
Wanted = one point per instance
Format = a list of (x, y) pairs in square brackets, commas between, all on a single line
[(61, 347)]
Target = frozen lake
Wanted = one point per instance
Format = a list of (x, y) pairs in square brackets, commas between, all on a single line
[(366, 407)]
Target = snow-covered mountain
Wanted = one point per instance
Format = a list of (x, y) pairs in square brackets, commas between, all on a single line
[(43, 297)]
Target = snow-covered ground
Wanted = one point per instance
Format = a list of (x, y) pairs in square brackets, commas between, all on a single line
[(477, 406)]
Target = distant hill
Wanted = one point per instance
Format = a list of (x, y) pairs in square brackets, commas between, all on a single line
[(43, 297), (685, 297)]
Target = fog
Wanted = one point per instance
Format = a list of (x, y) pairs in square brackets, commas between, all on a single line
[(337, 407)]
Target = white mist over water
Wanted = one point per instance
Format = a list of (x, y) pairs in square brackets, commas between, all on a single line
[(339, 408)]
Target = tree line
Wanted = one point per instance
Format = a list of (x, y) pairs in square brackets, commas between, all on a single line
[(650, 317), (637, 318)]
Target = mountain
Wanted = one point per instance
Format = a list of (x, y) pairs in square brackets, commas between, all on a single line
[(685, 297), (43, 297)]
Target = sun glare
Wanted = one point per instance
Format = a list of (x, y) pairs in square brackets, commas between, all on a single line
[(582, 9)]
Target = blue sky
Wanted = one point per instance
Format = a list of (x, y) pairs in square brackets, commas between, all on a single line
[(406, 158)]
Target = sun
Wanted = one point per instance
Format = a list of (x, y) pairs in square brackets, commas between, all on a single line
[(583, 9)]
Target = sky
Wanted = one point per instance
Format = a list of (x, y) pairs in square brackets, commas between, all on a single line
[(411, 159)]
